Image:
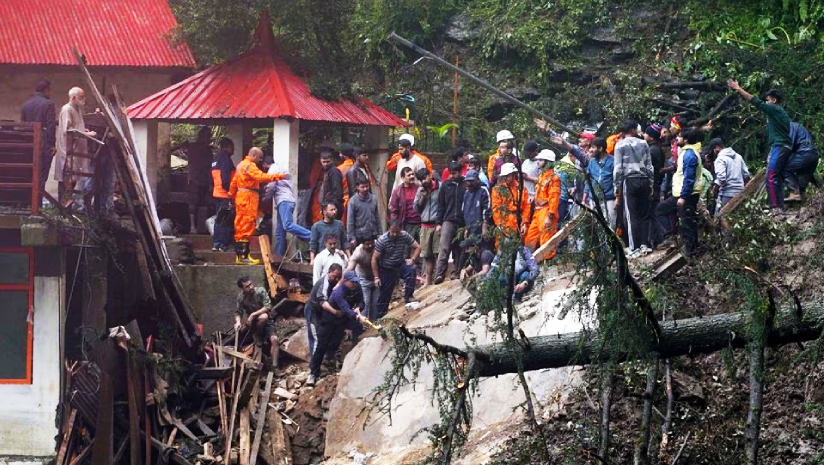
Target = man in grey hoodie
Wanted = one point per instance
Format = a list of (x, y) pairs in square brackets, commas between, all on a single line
[(731, 173), (362, 214), (633, 186)]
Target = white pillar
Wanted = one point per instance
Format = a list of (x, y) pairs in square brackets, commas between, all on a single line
[(235, 132), (146, 136), (285, 136)]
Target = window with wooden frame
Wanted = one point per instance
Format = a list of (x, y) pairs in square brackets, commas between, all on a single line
[(16, 311)]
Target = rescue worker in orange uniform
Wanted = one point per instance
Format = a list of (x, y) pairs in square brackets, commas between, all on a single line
[(223, 171), (546, 214), (347, 154), (504, 203), (392, 163), (245, 189)]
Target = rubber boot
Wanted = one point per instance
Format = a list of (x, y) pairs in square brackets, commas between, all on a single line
[(239, 253), (250, 260)]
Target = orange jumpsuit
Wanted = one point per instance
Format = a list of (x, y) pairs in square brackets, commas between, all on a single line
[(503, 201), (491, 165), (548, 194), (345, 166), (392, 163), (244, 188)]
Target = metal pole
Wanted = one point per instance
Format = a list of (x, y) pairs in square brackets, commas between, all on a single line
[(395, 37)]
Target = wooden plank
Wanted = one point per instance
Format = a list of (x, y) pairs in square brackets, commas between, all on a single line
[(68, 435), (220, 384), (213, 372), (672, 263), (134, 416), (15, 185), (259, 428), (206, 429), (36, 170), (232, 413), (243, 440), (554, 241), (102, 451), (120, 449), (235, 353), (26, 166), (266, 255)]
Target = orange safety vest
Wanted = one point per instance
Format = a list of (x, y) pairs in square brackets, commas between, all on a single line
[(218, 191)]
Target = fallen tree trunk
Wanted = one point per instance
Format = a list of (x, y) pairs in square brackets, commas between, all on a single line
[(680, 337)]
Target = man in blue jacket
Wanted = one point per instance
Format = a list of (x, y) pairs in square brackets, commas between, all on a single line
[(687, 188), (600, 170), (799, 171), (341, 312)]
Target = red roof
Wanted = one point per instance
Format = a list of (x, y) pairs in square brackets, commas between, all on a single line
[(256, 84), (107, 32)]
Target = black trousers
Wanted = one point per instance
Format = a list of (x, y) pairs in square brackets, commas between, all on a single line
[(636, 211), (688, 225), (329, 337)]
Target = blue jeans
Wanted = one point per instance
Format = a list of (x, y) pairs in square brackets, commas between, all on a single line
[(287, 225), (370, 298), (523, 276), (776, 170)]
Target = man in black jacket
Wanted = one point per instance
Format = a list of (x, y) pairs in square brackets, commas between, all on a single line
[(450, 218), (40, 109)]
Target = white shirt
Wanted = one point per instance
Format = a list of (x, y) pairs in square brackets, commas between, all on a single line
[(414, 162), (323, 260), (530, 168)]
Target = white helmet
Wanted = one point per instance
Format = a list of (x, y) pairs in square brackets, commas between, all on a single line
[(546, 154), (504, 135), (408, 137), (507, 169)]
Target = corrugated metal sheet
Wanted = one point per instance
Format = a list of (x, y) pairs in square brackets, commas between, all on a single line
[(107, 32), (257, 84)]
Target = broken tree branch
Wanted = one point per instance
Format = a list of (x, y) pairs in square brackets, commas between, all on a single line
[(679, 337)]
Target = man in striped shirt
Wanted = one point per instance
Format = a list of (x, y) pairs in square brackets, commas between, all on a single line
[(389, 262)]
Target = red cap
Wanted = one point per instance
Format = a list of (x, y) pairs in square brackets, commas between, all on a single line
[(588, 135)]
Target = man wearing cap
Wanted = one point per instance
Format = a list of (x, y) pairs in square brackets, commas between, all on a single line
[(389, 262), (341, 312), (779, 139), (585, 139), (450, 219), (475, 210), (731, 173), (426, 204), (406, 156), (548, 194), (510, 207), (633, 186), (530, 167)]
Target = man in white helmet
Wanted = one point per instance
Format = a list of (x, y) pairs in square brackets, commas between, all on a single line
[(407, 156), (506, 153)]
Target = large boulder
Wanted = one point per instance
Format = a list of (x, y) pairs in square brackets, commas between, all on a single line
[(495, 404)]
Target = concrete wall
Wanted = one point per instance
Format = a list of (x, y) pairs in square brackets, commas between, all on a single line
[(17, 85), (27, 413)]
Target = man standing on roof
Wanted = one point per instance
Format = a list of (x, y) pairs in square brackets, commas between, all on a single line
[(779, 139), (505, 207), (222, 172), (633, 186), (245, 189), (548, 195), (71, 117), (407, 156), (40, 109)]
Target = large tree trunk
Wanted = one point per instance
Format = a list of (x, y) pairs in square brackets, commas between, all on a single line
[(680, 337)]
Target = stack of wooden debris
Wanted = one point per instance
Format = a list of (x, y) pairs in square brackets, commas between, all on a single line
[(133, 402), (20, 166)]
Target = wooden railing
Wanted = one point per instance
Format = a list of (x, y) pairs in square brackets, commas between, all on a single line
[(20, 167)]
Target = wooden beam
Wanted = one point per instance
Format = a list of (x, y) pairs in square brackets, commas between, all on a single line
[(68, 435), (753, 185), (554, 241), (266, 257), (243, 440), (83, 455), (104, 424), (259, 428)]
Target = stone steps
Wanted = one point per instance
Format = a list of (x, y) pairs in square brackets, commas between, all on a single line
[(204, 242)]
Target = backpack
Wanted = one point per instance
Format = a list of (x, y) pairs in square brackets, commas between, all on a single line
[(611, 142)]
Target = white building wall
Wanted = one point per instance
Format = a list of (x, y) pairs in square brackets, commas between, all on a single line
[(27, 412)]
